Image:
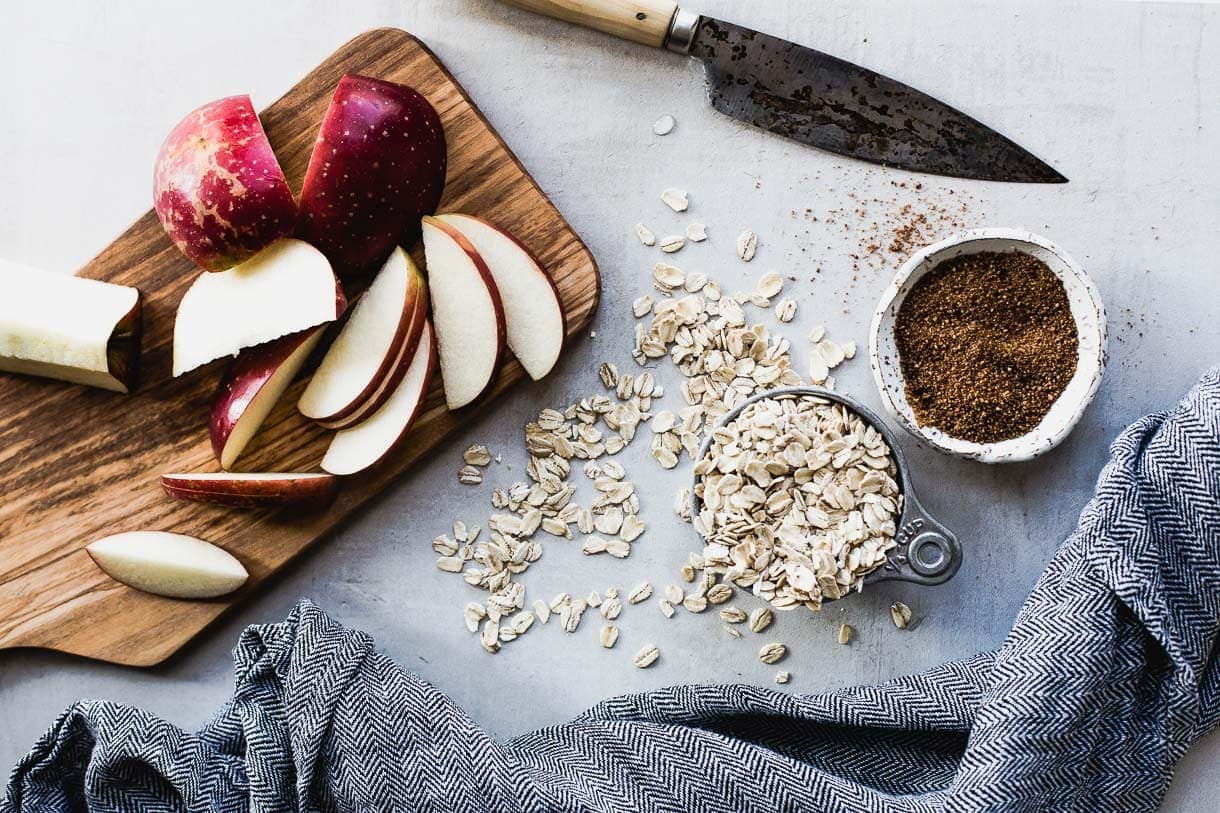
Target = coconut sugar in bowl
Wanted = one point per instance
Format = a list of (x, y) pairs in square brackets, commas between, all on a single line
[(1005, 340)]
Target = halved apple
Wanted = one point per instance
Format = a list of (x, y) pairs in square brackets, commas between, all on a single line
[(466, 313), (167, 564), (367, 443), (70, 328), (217, 187), (377, 166), (381, 328), (283, 289), (536, 322), (251, 387), (259, 490)]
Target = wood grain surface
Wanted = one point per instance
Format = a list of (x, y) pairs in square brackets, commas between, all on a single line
[(77, 463)]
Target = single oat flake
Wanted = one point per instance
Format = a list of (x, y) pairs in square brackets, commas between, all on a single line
[(845, 633), (477, 455), (646, 236), (747, 245), (782, 676), (672, 243), (900, 614), (772, 653), (469, 476), (696, 232), (675, 199), (646, 657), (609, 636), (664, 125)]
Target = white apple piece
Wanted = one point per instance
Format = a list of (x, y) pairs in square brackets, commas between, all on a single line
[(70, 328), (285, 288), (536, 322), (367, 443), (381, 328), (167, 564), (251, 387), (259, 490), (466, 313)]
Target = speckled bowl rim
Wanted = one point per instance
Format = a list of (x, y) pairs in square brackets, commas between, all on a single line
[(1087, 310)]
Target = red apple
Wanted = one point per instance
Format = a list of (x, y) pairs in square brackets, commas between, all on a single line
[(217, 187), (537, 325), (251, 386), (311, 490), (383, 327), (466, 313), (284, 289), (369, 442), (377, 166)]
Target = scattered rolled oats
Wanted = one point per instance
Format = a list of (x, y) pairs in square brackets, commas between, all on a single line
[(542, 610), (667, 277), (672, 243), (570, 615), (490, 636), (770, 285), (760, 619), (900, 614), (845, 632), (639, 593), (675, 199), (473, 615), (631, 529), (609, 636), (477, 455), (747, 245), (772, 653), (469, 476), (785, 310), (594, 599), (674, 594), (695, 603), (696, 232), (719, 593), (688, 573), (733, 615), (451, 564), (646, 657), (611, 608), (666, 608)]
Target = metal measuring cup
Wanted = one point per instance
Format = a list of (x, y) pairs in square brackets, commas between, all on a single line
[(927, 552)]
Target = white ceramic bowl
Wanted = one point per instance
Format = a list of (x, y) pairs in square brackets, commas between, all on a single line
[(1087, 310)]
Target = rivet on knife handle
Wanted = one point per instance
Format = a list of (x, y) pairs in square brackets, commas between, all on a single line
[(644, 21)]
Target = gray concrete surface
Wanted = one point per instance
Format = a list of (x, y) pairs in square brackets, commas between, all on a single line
[(1121, 96)]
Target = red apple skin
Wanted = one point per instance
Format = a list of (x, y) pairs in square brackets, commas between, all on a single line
[(313, 492), (218, 188), (378, 166)]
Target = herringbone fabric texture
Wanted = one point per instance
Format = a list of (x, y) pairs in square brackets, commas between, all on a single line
[(1104, 681)]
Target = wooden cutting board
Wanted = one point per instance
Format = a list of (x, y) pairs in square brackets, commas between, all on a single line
[(77, 463)]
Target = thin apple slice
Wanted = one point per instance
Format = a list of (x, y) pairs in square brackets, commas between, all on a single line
[(167, 564), (283, 289), (251, 387), (536, 322), (260, 490), (366, 444), (466, 313), (389, 383), (69, 328), (380, 328)]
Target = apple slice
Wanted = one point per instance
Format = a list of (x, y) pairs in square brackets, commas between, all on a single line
[(70, 328), (466, 313), (168, 564), (283, 289), (377, 166), (261, 490), (366, 444), (217, 188), (536, 322), (380, 328), (251, 386)]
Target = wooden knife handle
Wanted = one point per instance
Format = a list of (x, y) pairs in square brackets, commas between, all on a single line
[(645, 21)]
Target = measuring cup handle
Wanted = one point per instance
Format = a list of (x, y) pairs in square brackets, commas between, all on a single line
[(927, 553)]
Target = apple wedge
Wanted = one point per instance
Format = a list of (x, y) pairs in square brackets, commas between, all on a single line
[(536, 323), (466, 313), (168, 564), (283, 289), (382, 327), (262, 490), (367, 443), (70, 328), (251, 387), (217, 188), (377, 166)]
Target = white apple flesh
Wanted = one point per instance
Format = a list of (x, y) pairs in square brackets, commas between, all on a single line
[(251, 387), (380, 328), (369, 442), (285, 288), (166, 564), (258, 490), (68, 328), (466, 313), (534, 315)]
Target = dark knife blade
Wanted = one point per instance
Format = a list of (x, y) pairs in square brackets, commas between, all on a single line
[(829, 103)]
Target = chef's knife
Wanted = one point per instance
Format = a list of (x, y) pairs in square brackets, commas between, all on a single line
[(810, 96)]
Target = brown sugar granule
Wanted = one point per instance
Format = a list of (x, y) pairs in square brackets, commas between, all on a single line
[(986, 343)]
